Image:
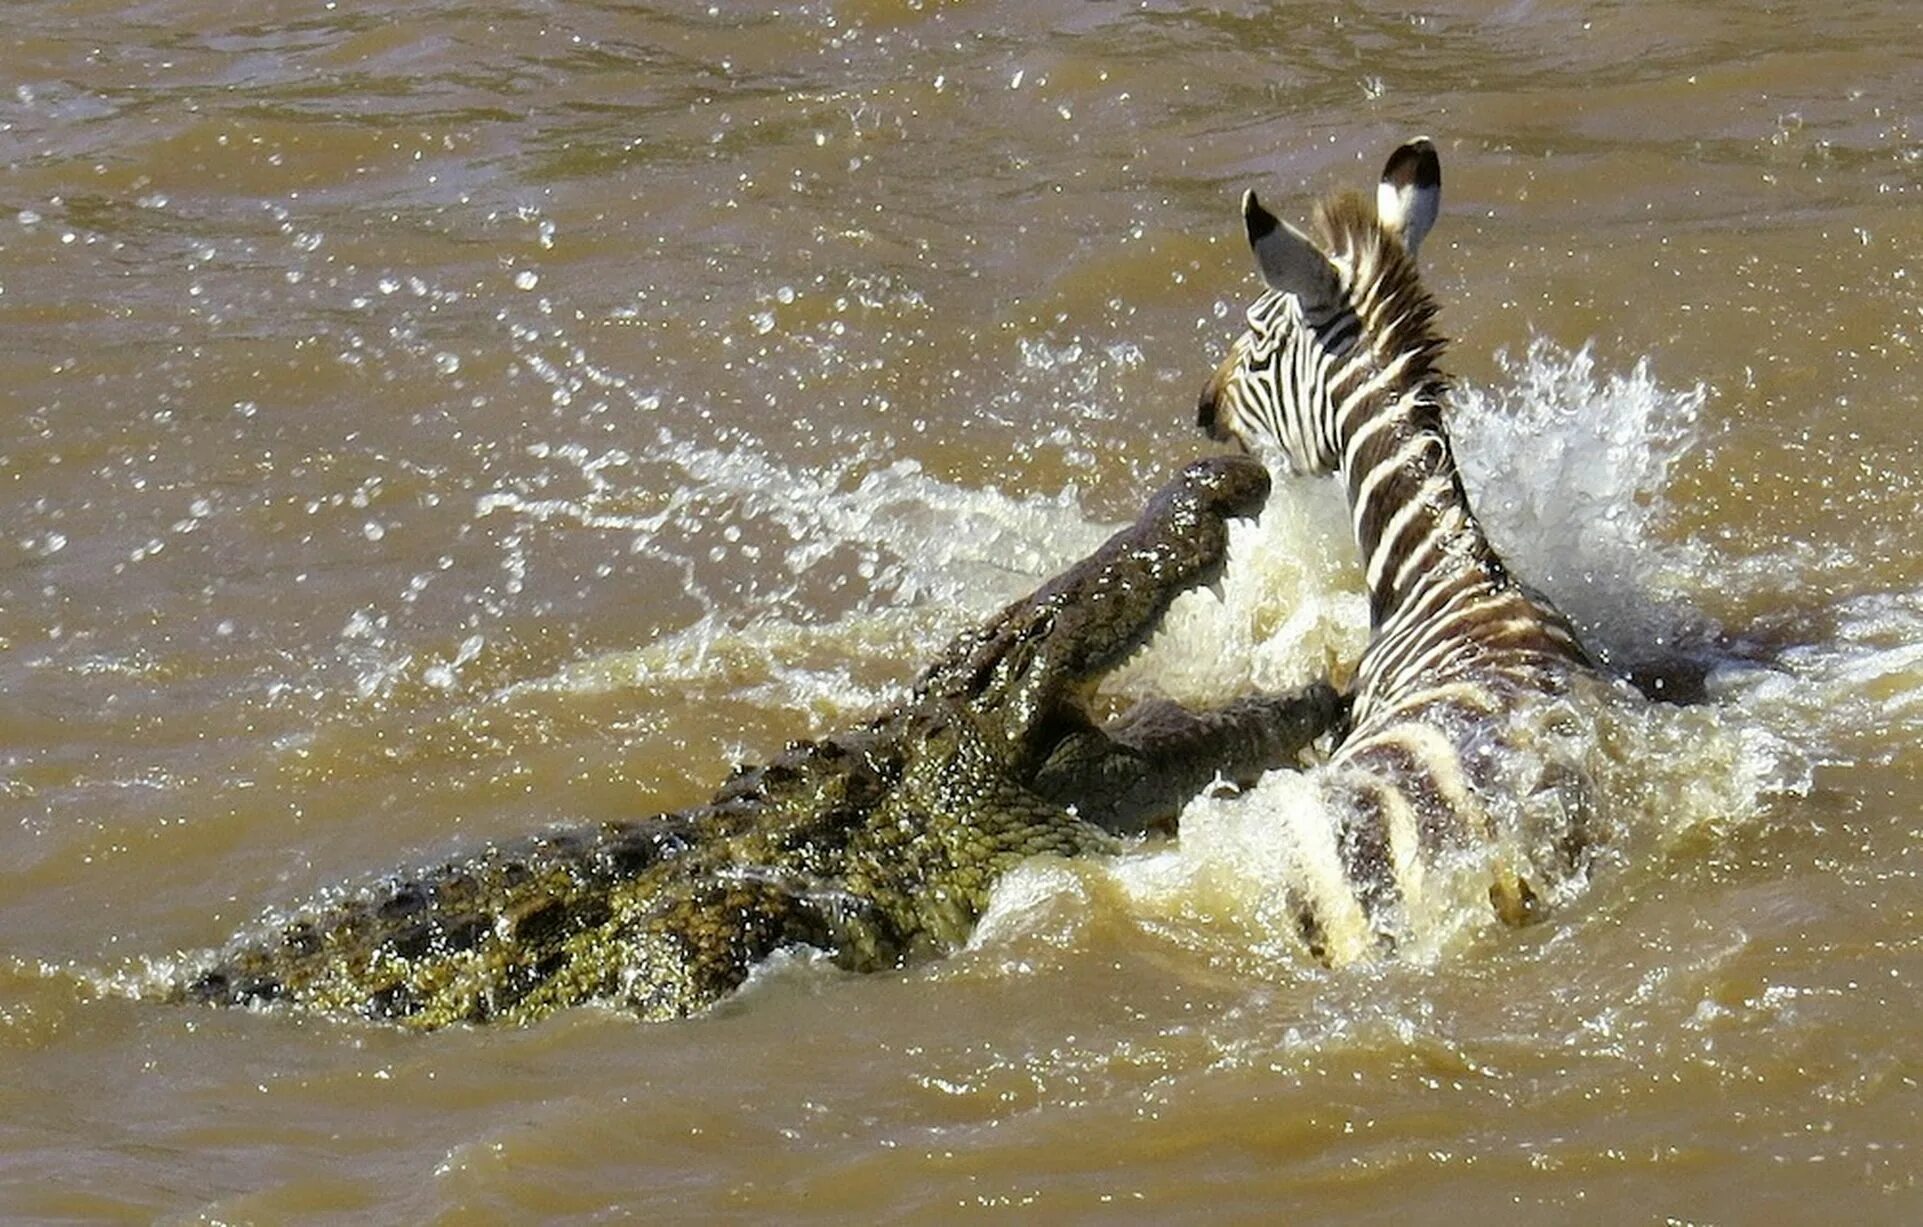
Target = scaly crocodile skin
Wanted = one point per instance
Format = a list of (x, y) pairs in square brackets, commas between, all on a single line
[(877, 846)]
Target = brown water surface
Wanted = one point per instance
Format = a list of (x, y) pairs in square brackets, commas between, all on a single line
[(424, 422)]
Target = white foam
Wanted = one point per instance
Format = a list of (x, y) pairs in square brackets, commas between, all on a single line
[(1854, 695), (1570, 468), (1291, 608), (929, 554)]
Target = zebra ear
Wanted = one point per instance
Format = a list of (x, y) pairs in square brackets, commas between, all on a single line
[(1410, 194), (1290, 264)]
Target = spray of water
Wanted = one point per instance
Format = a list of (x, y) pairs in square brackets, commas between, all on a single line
[(1570, 468)]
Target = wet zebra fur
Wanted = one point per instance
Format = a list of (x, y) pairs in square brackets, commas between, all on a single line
[(1338, 373)]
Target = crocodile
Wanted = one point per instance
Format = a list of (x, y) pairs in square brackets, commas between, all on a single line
[(876, 847)]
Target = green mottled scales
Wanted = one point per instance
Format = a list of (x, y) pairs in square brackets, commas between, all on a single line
[(877, 846)]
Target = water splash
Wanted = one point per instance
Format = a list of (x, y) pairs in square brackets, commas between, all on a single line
[(1569, 470), (1573, 468)]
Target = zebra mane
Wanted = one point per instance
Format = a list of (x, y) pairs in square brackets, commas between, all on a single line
[(1396, 316), (1385, 289)]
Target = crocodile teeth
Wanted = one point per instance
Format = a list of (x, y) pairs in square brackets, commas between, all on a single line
[(1220, 589)]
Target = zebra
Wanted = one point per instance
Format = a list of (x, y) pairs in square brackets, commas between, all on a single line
[(1339, 373)]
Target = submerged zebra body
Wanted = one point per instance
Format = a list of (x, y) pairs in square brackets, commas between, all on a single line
[(1339, 373)]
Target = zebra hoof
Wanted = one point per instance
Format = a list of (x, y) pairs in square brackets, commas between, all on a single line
[(1515, 902)]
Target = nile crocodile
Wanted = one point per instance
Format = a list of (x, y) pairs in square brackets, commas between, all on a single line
[(875, 846)]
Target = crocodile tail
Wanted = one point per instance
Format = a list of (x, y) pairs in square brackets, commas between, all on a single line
[(466, 940)]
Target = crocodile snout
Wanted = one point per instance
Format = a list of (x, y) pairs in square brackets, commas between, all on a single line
[(1231, 487)]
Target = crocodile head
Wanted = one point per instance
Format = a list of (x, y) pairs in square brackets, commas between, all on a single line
[(1023, 676)]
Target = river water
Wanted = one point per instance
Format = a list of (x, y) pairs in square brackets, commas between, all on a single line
[(425, 422)]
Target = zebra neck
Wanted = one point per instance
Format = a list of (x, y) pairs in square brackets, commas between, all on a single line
[(1411, 517)]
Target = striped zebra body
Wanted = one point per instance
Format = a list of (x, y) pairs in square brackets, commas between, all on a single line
[(1338, 373)]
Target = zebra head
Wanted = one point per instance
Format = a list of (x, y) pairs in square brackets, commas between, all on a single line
[(1279, 391)]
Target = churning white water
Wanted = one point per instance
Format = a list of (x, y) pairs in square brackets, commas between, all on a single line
[(1568, 466)]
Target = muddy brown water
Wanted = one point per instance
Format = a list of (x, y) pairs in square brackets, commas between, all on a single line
[(426, 422)]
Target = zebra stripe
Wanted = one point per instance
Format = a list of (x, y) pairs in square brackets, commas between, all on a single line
[(1338, 373)]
